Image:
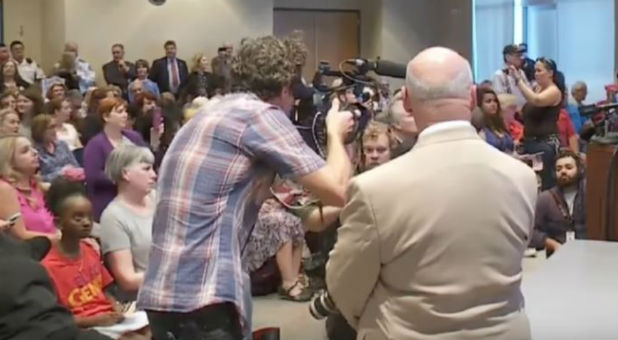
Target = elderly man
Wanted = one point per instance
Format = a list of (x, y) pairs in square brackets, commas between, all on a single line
[(447, 263), (579, 92), (85, 74), (402, 124)]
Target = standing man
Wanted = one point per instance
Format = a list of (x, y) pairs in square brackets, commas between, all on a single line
[(28, 69), (85, 74), (216, 174), (503, 81), (447, 263), (221, 65), (119, 72), (169, 72)]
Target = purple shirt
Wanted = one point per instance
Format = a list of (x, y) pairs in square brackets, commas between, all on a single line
[(213, 179), (99, 187)]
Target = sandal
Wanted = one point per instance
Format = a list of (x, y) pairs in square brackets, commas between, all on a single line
[(304, 295)]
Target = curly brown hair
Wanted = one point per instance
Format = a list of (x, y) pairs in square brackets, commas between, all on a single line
[(263, 66)]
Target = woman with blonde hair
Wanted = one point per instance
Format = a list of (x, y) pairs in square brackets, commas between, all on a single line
[(21, 190), (198, 80), (9, 121)]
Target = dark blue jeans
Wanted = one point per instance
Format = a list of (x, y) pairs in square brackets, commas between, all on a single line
[(218, 321), (548, 147)]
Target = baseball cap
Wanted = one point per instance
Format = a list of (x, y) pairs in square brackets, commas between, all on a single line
[(512, 49)]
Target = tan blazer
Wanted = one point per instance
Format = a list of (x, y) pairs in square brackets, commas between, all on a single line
[(431, 243)]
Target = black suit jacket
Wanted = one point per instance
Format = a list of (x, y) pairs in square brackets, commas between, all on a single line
[(113, 76), (159, 74)]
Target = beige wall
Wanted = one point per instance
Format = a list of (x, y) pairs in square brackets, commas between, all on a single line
[(54, 30), (196, 25), (22, 21)]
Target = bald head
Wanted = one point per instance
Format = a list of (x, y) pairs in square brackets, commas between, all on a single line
[(71, 47), (438, 87), (438, 73)]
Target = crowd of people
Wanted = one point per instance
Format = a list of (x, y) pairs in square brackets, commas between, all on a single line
[(149, 187)]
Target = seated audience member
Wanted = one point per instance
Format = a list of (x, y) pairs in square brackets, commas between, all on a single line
[(60, 109), (10, 80), (29, 104), (560, 214), (566, 132), (508, 104), (113, 114), (402, 125), (494, 130), (141, 82), (77, 101), (55, 156), (278, 232), (126, 223), (66, 70), (21, 189), (29, 308), (8, 100), (375, 147), (56, 90), (74, 266), (579, 92), (9, 122)]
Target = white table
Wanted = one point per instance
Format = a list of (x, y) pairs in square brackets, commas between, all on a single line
[(574, 294)]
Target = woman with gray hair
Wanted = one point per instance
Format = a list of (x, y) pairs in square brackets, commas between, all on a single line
[(126, 223)]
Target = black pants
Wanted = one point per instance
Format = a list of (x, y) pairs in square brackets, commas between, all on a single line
[(548, 147), (220, 321)]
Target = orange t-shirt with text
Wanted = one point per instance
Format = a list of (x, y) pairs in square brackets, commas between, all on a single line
[(79, 282)]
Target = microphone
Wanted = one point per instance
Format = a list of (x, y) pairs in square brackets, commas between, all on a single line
[(381, 67)]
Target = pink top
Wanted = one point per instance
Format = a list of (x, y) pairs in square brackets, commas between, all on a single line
[(36, 217)]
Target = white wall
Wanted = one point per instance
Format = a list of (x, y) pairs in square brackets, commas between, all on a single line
[(22, 21), (195, 25)]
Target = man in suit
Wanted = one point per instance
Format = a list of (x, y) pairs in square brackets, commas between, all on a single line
[(118, 71), (169, 72), (431, 243)]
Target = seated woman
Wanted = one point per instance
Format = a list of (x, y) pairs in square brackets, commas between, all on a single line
[(279, 233), (29, 104), (74, 266), (55, 158), (21, 190), (9, 122), (494, 130), (113, 113), (10, 79), (126, 223), (61, 109), (8, 100)]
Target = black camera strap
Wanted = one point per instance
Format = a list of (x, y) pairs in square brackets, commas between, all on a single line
[(564, 210)]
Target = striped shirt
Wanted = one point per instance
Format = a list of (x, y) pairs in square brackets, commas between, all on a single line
[(213, 179)]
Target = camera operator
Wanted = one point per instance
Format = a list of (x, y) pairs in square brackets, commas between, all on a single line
[(441, 265), (211, 184)]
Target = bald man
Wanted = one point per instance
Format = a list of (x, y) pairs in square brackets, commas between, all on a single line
[(85, 74), (431, 243)]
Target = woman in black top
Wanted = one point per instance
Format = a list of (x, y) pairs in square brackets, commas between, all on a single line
[(197, 83), (540, 115)]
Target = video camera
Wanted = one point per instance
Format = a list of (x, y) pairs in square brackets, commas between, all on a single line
[(604, 117), (314, 105)]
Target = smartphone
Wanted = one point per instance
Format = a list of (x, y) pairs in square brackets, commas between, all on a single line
[(13, 219), (157, 118)]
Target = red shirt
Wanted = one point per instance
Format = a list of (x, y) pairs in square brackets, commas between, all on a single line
[(565, 128), (79, 282), (516, 130)]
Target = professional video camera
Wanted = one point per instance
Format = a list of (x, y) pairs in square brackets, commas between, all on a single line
[(314, 105), (605, 121)]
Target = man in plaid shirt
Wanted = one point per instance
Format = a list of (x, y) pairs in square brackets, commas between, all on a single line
[(212, 181)]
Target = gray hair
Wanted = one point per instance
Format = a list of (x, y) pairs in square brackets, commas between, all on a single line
[(426, 90), (389, 116), (579, 85), (123, 157)]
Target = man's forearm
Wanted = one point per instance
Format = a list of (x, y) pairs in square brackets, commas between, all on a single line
[(338, 160)]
